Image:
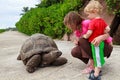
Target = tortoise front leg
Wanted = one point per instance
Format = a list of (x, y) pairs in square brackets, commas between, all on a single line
[(33, 63), (19, 57)]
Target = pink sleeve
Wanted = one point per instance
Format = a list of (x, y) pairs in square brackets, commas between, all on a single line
[(85, 25), (108, 40), (77, 33)]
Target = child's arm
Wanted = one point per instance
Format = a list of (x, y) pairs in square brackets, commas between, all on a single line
[(96, 41), (107, 29), (76, 40), (77, 35), (109, 39), (88, 34)]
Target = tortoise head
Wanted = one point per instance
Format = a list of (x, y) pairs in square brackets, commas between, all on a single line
[(56, 53), (50, 57)]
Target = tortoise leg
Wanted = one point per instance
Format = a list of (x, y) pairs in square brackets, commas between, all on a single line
[(25, 62), (33, 63), (59, 61), (19, 57)]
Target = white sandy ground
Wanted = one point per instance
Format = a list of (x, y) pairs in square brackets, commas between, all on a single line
[(12, 69)]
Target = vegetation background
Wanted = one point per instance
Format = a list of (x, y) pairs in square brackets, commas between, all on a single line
[(47, 17)]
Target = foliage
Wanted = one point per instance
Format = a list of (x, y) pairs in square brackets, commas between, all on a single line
[(25, 9), (47, 3), (10, 29), (48, 20), (113, 5), (2, 30)]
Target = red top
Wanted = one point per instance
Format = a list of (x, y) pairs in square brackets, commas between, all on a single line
[(97, 26)]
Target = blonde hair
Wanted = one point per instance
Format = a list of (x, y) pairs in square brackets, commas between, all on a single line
[(93, 7)]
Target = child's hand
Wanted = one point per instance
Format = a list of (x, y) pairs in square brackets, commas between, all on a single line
[(96, 41), (84, 36), (75, 42)]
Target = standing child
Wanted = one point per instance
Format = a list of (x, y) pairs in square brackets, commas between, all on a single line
[(84, 28), (96, 28)]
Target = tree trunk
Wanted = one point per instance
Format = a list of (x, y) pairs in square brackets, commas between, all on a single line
[(115, 29), (115, 24)]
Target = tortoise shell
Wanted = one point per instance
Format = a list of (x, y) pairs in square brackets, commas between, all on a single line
[(37, 44)]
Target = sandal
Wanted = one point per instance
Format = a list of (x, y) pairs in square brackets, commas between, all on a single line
[(92, 77)]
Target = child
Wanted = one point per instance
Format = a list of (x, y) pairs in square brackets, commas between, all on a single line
[(97, 27), (85, 25), (73, 21)]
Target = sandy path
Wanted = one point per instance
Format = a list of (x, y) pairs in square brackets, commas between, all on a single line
[(11, 69)]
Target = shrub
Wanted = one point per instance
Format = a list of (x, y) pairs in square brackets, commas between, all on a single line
[(48, 20)]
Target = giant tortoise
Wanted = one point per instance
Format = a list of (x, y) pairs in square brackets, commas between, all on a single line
[(40, 50)]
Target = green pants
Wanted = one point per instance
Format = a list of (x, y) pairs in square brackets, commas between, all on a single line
[(98, 54)]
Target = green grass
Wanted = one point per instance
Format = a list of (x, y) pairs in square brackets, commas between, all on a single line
[(2, 30)]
